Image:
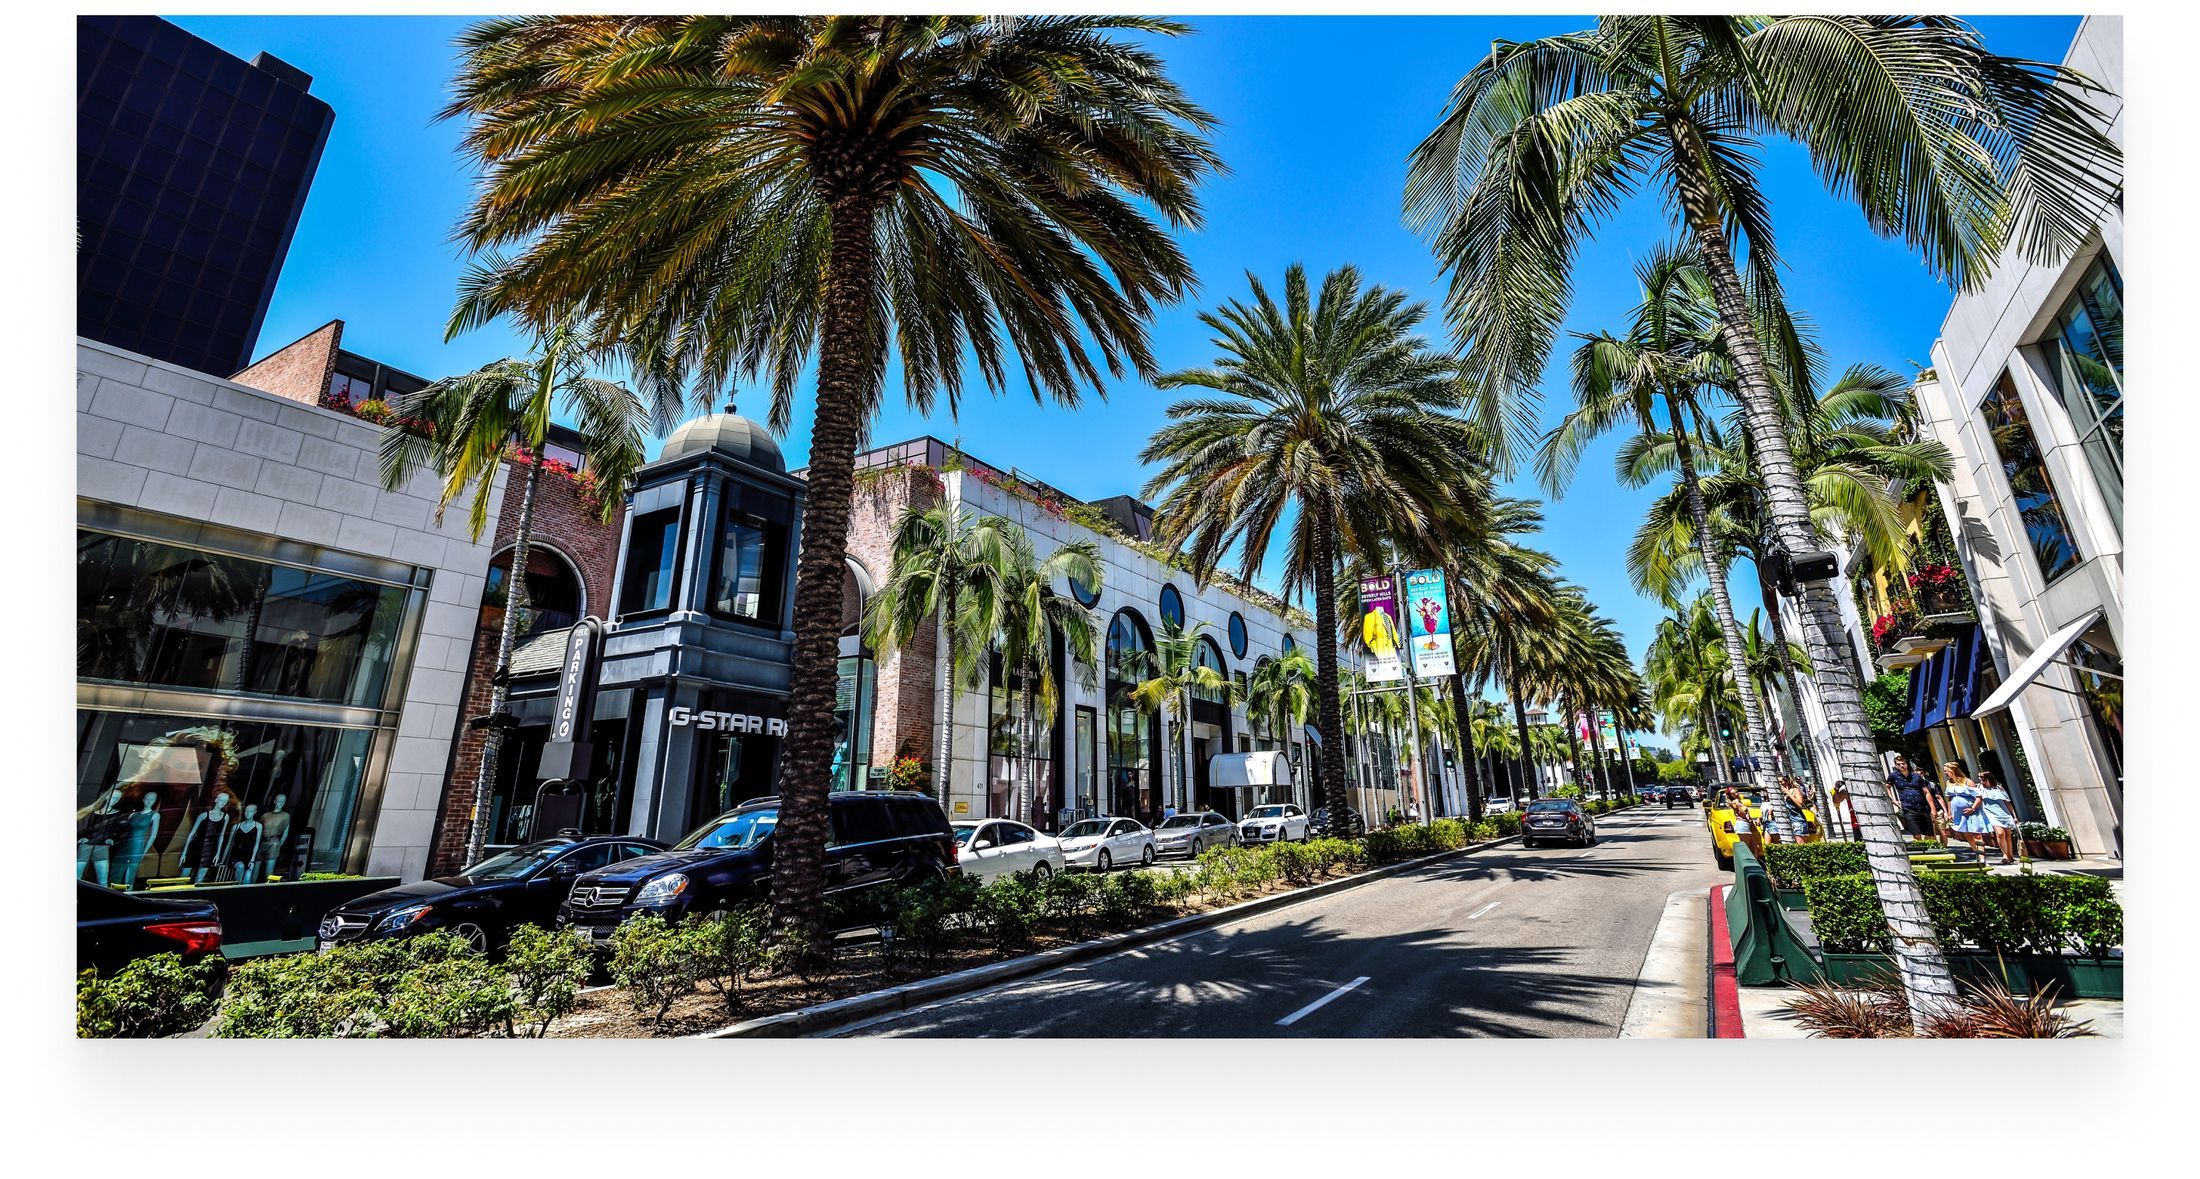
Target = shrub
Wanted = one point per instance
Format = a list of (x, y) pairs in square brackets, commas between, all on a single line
[(804, 954), (450, 995), (1009, 910), (1073, 899), (1387, 847), (1485, 831), (366, 989), (148, 998), (2006, 914), (907, 773), (727, 951), (923, 915), (1175, 889), (1299, 863), (652, 963), (1448, 834), (1127, 897), (548, 969), (1789, 864), (1508, 823)]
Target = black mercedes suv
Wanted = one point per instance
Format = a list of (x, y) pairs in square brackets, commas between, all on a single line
[(876, 837)]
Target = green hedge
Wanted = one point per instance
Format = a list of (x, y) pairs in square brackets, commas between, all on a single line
[(2035, 914), (1790, 864)]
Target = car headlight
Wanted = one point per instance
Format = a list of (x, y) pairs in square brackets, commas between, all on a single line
[(400, 918), (663, 890)]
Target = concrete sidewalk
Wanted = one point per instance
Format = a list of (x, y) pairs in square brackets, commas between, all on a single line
[(1672, 998)]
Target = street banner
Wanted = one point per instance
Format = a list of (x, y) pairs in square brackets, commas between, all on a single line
[(1428, 613), (1379, 629), (1607, 725)]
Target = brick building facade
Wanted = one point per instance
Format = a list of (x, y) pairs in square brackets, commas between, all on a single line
[(570, 545), (906, 706)]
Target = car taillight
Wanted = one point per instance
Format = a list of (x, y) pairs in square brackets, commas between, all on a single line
[(955, 848), (192, 937)]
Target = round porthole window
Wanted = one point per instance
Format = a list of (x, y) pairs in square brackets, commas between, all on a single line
[(1238, 638), (1172, 606), (1086, 595)]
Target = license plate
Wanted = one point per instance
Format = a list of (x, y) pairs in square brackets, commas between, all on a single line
[(324, 944)]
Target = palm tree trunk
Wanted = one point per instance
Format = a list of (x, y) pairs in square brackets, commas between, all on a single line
[(943, 755), (1520, 722), (1917, 953), (1795, 689), (1329, 708), (1722, 604), (515, 603), (1467, 757), (848, 370), (1573, 739), (1026, 743), (1596, 750)]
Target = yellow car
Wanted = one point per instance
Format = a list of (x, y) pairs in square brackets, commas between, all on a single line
[(1722, 820)]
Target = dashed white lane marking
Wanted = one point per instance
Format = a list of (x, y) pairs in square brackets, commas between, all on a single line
[(1483, 909), (1318, 1004)]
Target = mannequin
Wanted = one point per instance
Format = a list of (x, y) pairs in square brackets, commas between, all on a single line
[(137, 835), (97, 830), (274, 833), (202, 848), (242, 850)]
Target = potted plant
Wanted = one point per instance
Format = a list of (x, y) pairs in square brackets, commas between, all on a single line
[(2042, 842)]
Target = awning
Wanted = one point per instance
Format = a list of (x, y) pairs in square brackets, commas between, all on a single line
[(1943, 687), (2037, 662)]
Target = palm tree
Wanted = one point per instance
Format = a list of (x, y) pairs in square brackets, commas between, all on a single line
[(473, 423), (1174, 674), (726, 194), (1279, 695), (1958, 151), (1330, 412), (939, 556), (1029, 617)]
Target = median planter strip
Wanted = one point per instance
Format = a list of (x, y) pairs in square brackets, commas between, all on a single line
[(839, 1013)]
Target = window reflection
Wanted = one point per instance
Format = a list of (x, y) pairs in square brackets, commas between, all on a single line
[(2085, 355), (2019, 450), (651, 557), (751, 566)]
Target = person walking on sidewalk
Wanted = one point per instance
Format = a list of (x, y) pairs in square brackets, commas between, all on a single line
[(1916, 798), (1967, 814), (1791, 790), (2001, 814)]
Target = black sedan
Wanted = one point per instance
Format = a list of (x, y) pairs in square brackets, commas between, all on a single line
[(485, 903), (1549, 819), (114, 927), (1679, 796), (1354, 824)]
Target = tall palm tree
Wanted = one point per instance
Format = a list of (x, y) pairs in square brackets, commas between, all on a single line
[(938, 557), (1329, 423), (474, 421), (1174, 673), (1958, 151), (1028, 618), (1279, 695), (728, 194)]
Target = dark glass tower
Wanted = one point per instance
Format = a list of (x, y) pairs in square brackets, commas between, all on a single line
[(191, 169)]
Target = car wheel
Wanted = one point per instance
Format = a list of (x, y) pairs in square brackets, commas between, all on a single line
[(1145, 857), (473, 935), (1104, 863), (1723, 860), (1042, 870), (1195, 849), (1526, 842)]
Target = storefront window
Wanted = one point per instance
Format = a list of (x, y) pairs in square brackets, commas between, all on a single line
[(175, 617), (2085, 354), (751, 566), (732, 769), (592, 807), (182, 800), (852, 724), (653, 555), (1019, 753), (1131, 736), (2100, 680), (2019, 451)]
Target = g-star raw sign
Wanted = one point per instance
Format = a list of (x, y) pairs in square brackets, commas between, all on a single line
[(680, 716)]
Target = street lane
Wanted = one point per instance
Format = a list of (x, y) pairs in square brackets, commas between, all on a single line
[(1507, 942)]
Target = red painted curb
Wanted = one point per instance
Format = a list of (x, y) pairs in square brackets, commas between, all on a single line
[(1726, 996)]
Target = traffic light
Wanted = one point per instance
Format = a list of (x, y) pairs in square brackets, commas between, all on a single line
[(1726, 729)]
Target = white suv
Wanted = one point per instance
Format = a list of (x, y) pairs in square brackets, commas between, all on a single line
[(1273, 822)]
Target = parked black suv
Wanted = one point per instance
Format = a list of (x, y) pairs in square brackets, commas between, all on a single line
[(877, 837), (487, 901), (1679, 796)]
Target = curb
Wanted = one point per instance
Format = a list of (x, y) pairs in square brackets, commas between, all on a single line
[(838, 1013), (1724, 1011)]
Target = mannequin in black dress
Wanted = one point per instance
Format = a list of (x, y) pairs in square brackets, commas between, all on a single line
[(137, 836), (202, 848), (243, 851), (97, 831)]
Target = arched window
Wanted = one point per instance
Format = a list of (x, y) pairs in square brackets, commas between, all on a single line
[(1131, 734), (1239, 638), (1130, 647), (554, 592), (1172, 606), (1209, 655)]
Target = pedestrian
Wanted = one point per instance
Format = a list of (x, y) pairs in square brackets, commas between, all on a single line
[(1916, 799), (1732, 798), (1847, 808), (2001, 814), (1798, 806), (1967, 815)]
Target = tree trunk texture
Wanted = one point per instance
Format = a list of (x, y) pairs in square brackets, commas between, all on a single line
[(1759, 740), (1917, 953), (515, 604), (848, 367), (1469, 757), (1335, 794), (943, 753)]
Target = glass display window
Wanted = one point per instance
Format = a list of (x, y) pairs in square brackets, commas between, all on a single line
[(2018, 448), (170, 800)]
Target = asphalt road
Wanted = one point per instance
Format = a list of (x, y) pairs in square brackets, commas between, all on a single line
[(1506, 942)]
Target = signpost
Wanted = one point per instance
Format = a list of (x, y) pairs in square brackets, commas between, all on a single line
[(567, 754), (1428, 615)]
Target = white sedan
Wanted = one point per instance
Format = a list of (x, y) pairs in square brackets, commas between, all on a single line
[(1101, 844), (990, 848), (1273, 823)]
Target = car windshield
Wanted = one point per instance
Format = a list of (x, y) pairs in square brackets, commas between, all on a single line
[(733, 832), (1550, 805), (1178, 821), (518, 862), (1088, 829), (1266, 812)]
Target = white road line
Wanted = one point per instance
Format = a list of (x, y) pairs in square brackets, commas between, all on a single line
[(1317, 1004), (1483, 909)]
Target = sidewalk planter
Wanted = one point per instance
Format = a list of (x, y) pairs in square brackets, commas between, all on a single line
[(2047, 849), (1792, 900), (2072, 977)]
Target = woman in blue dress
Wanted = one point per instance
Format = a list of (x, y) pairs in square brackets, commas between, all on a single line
[(1967, 815), (2001, 814)]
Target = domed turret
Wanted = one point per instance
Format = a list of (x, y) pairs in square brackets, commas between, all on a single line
[(729, 434)]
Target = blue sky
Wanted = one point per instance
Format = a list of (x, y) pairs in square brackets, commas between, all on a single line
[(1318, 115)]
